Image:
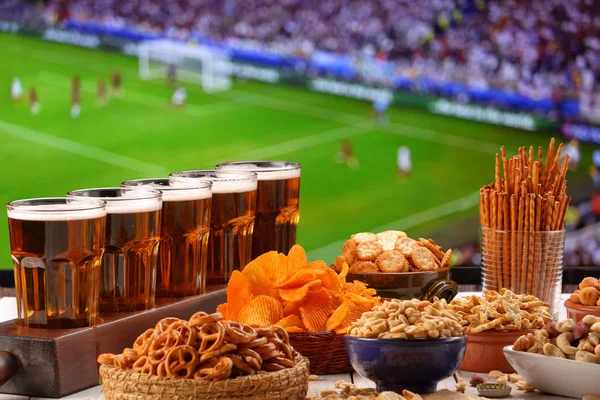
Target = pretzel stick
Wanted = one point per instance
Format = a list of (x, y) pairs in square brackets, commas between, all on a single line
[(541, 160), (513, 244), (506, 252), (544, 246), (531, 257), (549, 159), (499, 238), (497, 173), (525, 256), (537, 275), (530, 159), (520, 228), (561, 176), (535, 177), (493, 244)]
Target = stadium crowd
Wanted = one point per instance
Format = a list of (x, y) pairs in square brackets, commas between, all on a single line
[(535, 47)]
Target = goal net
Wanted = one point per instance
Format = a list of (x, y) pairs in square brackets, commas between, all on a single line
[(210, 67)]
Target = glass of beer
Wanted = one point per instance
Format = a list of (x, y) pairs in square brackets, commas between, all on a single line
[(128, 269), (232, 219), (185, 227), (277, 199), (56, 248)]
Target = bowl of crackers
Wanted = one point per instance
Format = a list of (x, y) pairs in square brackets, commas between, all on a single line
[(397, 266), (585, 300), (407, 344), (494, 321)]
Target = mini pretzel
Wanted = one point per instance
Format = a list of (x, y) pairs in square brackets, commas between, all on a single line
[(252, 358), (185, 330), (281, 333), (267, 351), (264, 332), (239, 332), (131, 354), (211, 337), (284, 362), (272, 367), (181, 361), (284, 347), (161, 345), (144, 366), (200, 318), (120, 362), (255, 343), (226, 348), (241, 365), (222, 370), (142, 343), (161, 370), (163, 324), (106, 358)]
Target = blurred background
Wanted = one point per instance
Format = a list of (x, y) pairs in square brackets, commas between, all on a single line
[(121, 89)]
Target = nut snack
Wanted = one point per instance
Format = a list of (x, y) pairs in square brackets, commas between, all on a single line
[(518, 211), (206, 348), (409, 319), (502, 311), (349, 391), (275, 289), (588, 293), (576, 341), (391, 251)]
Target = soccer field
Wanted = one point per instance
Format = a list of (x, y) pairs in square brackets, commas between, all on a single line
[(139, 136)]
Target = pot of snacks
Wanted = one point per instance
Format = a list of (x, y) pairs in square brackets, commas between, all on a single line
[(206, 358), (407, 344), (585, 301), (560, 359), (310, 300), (495, 321), (397, 266)]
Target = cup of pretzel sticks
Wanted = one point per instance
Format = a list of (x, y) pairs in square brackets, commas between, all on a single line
[(522, 218)]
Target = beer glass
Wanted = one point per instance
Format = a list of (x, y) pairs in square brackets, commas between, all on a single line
[(56, 248), (128, 269), (277, 199), (232, 219), (185, 227)]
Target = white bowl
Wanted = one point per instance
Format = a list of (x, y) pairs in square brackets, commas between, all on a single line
[(553, 375)]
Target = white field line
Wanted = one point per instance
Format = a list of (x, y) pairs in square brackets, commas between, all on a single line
[(300, 143), (146, 99), (83, 150), (405, 223)]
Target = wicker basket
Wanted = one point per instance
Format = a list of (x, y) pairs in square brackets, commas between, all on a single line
[(291, 383), (326, 351)]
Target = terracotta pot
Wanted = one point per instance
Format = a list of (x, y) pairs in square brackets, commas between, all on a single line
[(577, 311), (485, 350)]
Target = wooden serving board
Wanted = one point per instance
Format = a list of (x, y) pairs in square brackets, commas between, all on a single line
[(56, 363)]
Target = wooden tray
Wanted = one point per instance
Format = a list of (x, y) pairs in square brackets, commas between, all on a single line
[(56, 363)]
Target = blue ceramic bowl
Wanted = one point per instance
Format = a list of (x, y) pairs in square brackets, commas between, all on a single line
[(413, 364)]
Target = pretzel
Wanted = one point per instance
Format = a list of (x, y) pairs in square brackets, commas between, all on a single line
[(144, 366), (181, 362), (121, 363), (285, 348), (222, 370), (161, 345), (106, 358), (240, 333), (267, 351), (211, 337), (200, 318), (161, 370), (284, 362), (241, 365), (252, 358), (187, 332), (272, 367), (163, 324), (131, 354), (142, 343), (281, 334), (226, 348), (264, 332), (255, 343)]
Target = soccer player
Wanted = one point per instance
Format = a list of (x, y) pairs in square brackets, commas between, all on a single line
[(404, 162), (572, 149), (346, 155), (179, 97), (380, 106), (101, 92), (16, 90), (76, 98), (34, 104), (172, 75), (117, 84)]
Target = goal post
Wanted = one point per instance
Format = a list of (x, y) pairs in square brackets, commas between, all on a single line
[(208, 66)]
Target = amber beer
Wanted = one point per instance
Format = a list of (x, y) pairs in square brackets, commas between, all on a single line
[(185, 227), (56, 247), (128, 269), (232, 219), (277, 199)]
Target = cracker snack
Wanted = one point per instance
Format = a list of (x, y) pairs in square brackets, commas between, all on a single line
[(207, 348), (300, 296), (391, 251)]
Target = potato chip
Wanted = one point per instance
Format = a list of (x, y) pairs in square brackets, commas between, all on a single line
[(297, 294), (238, 294), (261, 311), (295, 329), (338, 317), (296, 279), (291, 320), (263, 271), (345, 270), (342, 330), (316, 310), (296, 258), (355, 312), (292, 307)]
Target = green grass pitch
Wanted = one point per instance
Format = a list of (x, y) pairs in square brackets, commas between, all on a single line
[(139, 136)]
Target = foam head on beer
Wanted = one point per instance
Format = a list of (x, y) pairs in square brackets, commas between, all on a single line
[(56, 209), (222, 181), (123, 200), (170, 192), (266, 170)]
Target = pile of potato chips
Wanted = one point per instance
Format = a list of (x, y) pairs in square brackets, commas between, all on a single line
[(276, 289)]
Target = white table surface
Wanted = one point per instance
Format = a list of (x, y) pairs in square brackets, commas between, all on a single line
[(325, 382)]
